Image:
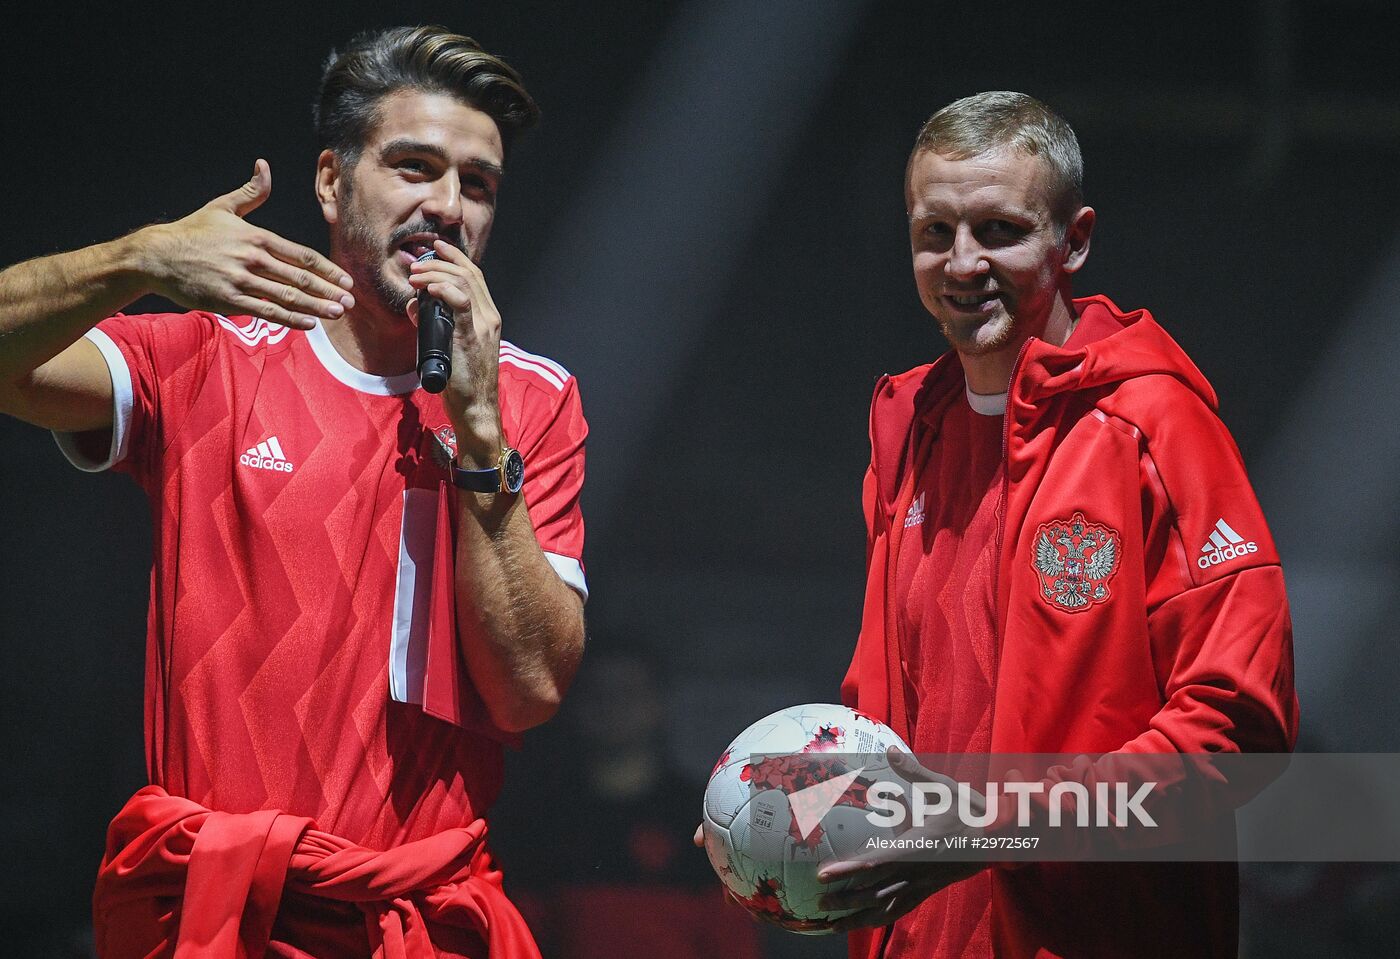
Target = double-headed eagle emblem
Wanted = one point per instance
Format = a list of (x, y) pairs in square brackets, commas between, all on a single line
[(1075, 559)]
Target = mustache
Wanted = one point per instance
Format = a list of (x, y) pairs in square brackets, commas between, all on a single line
[(452, 235)]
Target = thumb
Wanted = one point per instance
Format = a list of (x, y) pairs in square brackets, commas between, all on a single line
[(906, 766), (250, 195)]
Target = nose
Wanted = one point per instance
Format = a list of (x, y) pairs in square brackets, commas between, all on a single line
[(965, 258), (444, 202)]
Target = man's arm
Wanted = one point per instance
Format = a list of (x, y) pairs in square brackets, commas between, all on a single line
[(520, 627), (211, 259), (48, 375)]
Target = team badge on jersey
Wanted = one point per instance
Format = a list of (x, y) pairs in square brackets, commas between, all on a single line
[(1075, 559), (445, 449)]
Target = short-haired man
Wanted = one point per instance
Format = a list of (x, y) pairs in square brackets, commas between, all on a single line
[(353, 601), (1065, 555)]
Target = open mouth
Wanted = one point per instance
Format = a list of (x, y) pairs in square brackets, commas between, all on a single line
[(415, 246), (972, 301)]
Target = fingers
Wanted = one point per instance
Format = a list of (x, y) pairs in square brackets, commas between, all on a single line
[(247, 305), (450, 253), (250, 195), (907, 767), (869, 871), (292, 299), (699, 837), (305, 258), (892, 910), (321, 296), (869, 897), (454, 279), (899, 894), (443, 286)]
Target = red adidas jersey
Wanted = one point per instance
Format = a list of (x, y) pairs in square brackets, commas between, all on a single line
[(301, 508), (943, 581)]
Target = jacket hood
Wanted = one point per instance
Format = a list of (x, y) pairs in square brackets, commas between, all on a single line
[(1108, 346)]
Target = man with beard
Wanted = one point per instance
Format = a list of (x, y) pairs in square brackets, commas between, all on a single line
[(354, 602), (1064, 556)]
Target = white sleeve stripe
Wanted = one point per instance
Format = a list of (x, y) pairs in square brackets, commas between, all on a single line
[(570, 571), (543, 372), (123, 400), (509, 347)]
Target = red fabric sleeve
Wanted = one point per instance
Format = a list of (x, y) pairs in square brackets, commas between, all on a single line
[(551, 441), (1218, 621), (1219, 630), (168, 357)]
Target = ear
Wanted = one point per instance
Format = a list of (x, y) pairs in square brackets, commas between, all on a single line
[(1077, 234), (328, 173)]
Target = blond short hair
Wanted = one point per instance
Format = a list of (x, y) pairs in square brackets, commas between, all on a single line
[(999, 120)]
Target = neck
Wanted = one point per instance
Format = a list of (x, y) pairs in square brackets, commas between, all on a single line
[(380, 346), (990, 373)]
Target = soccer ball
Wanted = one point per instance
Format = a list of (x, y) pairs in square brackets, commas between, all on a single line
[(788, 795)]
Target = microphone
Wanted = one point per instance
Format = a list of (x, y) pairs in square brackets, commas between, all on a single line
[(434, 338)]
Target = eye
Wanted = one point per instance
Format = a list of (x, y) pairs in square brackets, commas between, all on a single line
[(1001, 232), (934, 235), (478, 186), (934, 232), (411, 165)]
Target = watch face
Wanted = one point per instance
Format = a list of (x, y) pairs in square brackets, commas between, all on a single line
[(514, 471)]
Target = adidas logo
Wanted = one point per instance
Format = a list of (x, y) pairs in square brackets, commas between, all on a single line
[(1224, 545), (267, 455), (915, 516)]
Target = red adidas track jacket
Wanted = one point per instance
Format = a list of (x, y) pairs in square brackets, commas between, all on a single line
[(1185, 646)]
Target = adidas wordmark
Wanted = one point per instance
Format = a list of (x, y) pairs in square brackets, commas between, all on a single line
[(1224, 545), (915, 516), (267, 455)]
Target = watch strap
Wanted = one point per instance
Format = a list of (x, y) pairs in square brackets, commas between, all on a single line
[(478, 481), (507, 476)]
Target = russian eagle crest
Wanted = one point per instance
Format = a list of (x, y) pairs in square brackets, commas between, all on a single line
[(1074, 560)]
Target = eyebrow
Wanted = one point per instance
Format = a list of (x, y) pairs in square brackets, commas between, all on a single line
[(1008, 212), (407, 145)]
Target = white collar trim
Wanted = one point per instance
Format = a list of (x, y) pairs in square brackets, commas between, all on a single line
[(337, 366), (988, 404)]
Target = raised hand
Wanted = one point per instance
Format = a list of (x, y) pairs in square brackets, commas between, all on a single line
[(471, 395), (214, 260), (887, 886)]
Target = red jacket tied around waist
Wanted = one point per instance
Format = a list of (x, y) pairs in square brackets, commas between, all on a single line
[(180, 880)]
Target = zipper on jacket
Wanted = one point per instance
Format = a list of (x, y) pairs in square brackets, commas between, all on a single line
[(1002, 506)]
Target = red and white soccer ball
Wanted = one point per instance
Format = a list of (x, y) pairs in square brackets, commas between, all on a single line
[(788, 795)]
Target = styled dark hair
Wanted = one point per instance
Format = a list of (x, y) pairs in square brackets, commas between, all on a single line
[(999, 120), (430, 59)]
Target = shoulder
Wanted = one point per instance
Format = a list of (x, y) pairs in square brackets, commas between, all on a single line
[(894, 383), (899, 396), (200, 328), (523, 371), (1157, 401), (248, 333)]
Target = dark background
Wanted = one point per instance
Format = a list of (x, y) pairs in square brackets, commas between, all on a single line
[(707, 229)]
